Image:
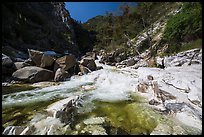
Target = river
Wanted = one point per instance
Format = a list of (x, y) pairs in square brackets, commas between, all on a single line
[(112, 96)]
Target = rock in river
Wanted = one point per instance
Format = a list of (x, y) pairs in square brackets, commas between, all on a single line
[(66, 62), (61, 75), (63, 109), (89, 63), (33, 74)]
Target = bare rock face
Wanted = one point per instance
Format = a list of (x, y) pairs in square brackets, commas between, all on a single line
[(33, 74), (40, 25), (185, 58), (60, 75), (66, 62)]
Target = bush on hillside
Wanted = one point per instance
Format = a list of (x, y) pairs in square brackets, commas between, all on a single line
[(185, 26)]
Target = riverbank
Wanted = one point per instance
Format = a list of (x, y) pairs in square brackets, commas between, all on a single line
[(104, 88)]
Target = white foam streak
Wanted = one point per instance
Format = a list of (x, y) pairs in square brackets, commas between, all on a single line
[(110, 85)]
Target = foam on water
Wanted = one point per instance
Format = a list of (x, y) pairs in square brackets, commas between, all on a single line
[(109, 82)]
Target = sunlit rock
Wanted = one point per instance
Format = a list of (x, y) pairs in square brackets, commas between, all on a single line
[(19, 65), (62, 107), (94, 121), (36, 56), (61, 75), (46, 61), (66, 62), (33, 74)]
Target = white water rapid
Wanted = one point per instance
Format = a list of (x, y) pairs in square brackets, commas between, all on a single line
[(114, 84)]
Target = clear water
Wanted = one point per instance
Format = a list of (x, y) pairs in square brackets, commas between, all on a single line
[(111, 98)]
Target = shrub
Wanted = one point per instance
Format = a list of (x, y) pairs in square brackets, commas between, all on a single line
[(184, 26)]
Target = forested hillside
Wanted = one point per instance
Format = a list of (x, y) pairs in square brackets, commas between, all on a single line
[(182, 24)]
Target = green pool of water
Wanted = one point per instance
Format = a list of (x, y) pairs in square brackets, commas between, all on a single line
[(130, 117), (20, 115), (16, 88), (126, 117)]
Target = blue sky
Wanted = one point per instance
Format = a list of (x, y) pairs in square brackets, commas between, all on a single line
[(83, 11)]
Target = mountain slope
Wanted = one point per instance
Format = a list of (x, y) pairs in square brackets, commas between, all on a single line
[(142, 27), (37, 25)]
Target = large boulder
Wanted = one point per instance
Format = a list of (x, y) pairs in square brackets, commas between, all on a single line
[(64, 109), (42, 59), (33, 74), (60, 105), (35, 56), (66, 62), (89, 63), (46, 61), (60, 75), (6, 61), (7, 65), (19, 65)]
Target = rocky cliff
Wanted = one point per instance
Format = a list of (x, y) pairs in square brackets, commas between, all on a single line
[(37, 25)]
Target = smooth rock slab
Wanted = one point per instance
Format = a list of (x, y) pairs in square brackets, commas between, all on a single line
[(59, 105), (33, 74)]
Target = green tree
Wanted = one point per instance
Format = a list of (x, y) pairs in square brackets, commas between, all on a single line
[(184, 26)]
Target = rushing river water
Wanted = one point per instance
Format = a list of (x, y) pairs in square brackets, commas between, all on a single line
[(113, 97)]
